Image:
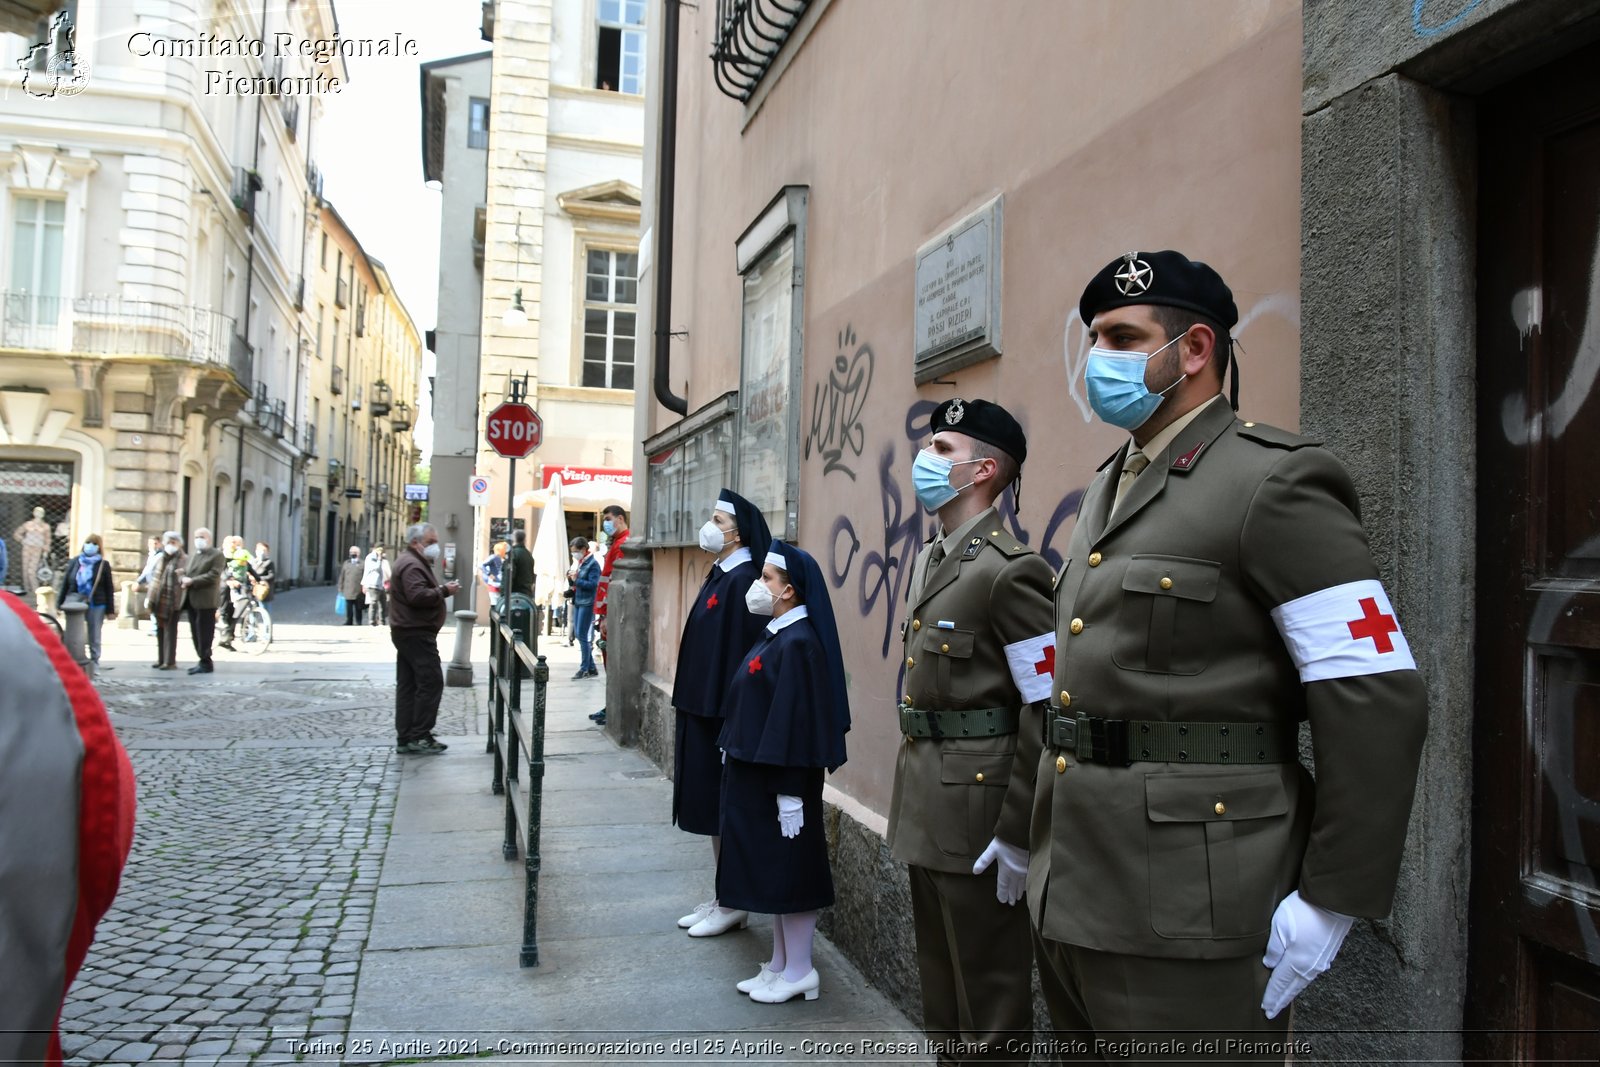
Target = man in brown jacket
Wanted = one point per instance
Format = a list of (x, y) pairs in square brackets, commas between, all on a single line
[(416, 615), (978, 645), (1186, 878)]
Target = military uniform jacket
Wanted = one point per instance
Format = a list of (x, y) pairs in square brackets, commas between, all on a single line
[(1190, 606), (950, 795)]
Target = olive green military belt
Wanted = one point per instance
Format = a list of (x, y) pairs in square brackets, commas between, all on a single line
[(1119, 742), (974, 722)]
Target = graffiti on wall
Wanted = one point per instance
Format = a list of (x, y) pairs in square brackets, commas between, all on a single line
[(836, 432), (1429, 18)]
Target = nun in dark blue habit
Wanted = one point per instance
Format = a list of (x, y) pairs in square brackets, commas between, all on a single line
[(719, 632), (787, 714)]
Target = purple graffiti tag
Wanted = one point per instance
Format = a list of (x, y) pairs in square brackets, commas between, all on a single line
[(884, 574), (842, 527)]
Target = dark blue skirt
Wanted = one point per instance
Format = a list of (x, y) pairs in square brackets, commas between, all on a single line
[(761, 870), (697, 775)]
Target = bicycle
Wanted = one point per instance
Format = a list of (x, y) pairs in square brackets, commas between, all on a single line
[(255, 626)]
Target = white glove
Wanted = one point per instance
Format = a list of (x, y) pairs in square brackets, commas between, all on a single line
[(1303, 942), (790, 815), (1012, 877)]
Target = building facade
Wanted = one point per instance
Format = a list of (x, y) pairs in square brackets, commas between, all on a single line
[(561, 234)]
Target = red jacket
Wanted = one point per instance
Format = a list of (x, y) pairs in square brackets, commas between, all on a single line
[(613, 553), (66, 824)]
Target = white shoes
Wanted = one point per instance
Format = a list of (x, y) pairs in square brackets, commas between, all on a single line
[(762, 978), (719, 921), (779, 990), (700, 912)]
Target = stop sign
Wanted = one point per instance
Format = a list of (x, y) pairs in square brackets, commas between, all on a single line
[(514, 430)]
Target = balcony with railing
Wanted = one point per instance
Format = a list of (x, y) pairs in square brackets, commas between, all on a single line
[(308, 439), (380, 494), (277, 417), (112, 326), (336, 380), (335, 473), (314, 179), (361, 320), (382, 399), (341, 293), (400, 421)]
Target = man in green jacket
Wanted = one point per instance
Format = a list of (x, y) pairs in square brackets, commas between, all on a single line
[(1186, 878), (202, 589)]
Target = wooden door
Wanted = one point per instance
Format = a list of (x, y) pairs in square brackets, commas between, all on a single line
[(1534, 938)]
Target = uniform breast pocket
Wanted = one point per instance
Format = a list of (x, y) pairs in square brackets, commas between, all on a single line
[(950, 654), (982, 778), (1165, 622), (1217, 844)]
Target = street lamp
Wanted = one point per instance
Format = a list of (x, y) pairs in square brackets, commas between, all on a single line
[(515, 315)]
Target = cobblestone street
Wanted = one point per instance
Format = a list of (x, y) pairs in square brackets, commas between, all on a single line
[(266, 793)]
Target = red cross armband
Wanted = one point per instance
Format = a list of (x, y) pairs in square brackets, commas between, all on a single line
[(1033, 666), (1344, 631)]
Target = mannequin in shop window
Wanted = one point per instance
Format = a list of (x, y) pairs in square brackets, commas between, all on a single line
[(34, 536)]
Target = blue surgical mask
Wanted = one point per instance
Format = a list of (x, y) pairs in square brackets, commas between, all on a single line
[(1115, 381), (91, 549), (930, 479), (609, 527)]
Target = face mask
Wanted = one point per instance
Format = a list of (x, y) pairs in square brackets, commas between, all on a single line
[(609, 527), (201, 543), (1115, 381), (432, 552), (759, 599), (171, 550), (91, 549), (712, 539), (930, 478)]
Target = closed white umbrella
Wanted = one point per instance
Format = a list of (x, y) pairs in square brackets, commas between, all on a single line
[(550, 551)]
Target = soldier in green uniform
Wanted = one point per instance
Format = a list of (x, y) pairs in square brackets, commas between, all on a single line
[(979, 642), (1186, 877)]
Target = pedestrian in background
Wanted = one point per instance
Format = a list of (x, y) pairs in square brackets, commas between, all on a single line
[(375, 574), (265, 571), (493, 569), (416, 615), (585, 580), (719, 631), (150, 561), (87, 577), (355, 607), (165, 599), (235, 587), (787, 715), (518, 574), (202, 587), (66, 825)]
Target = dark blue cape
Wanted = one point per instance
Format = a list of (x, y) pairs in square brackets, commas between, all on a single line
[(787, 703), (719, 632)]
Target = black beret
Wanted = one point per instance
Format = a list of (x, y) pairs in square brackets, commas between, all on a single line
[(1169, 278), (984, 421)]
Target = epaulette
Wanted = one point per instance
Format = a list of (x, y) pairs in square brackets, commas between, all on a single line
[(1273, 437), (1009, 546)]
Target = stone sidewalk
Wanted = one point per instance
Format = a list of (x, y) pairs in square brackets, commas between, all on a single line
[(299, 893)]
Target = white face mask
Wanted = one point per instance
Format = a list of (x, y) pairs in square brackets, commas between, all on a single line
[(758, 599), (171, 550), (432, 552), (201, 543), (712, 539)]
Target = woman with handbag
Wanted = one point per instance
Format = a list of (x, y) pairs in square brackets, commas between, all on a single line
[(87, 580), (166, 597), (355, 606)]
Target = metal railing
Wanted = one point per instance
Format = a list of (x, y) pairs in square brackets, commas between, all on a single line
[(750, 34), (515, 731), (112, 326)]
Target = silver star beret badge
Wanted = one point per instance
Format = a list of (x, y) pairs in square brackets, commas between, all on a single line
[(1135, 276)]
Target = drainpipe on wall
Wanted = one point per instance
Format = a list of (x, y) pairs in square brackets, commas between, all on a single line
[(665, 173)]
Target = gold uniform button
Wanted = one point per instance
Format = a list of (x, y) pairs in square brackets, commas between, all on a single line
[(1061, 765), (910, 662), (944, 648), (979, 776), (916, 624), (1077, 626), (1066, 699), (1221, 808), (994, 533), (906, 699), (1166, 583), (1094, 559)]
